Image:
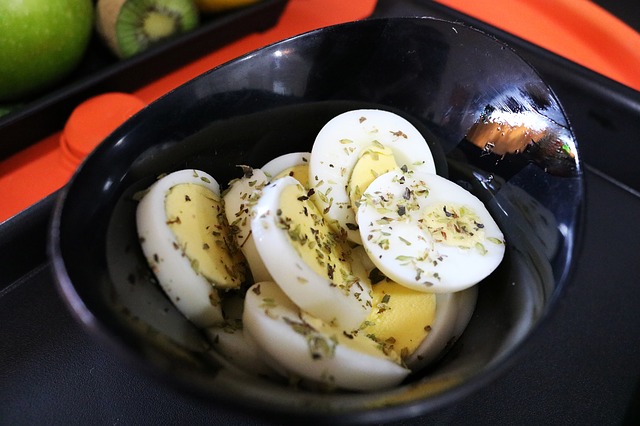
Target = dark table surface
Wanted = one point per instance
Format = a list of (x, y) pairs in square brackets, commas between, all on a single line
[(626, 10), (583, 367)]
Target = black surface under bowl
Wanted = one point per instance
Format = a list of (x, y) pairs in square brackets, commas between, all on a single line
[(469, 94)]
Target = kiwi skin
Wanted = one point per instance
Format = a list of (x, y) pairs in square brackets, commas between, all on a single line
[(132, 26)]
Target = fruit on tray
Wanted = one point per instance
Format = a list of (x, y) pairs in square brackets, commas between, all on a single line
[(41, 41), (130, 27)]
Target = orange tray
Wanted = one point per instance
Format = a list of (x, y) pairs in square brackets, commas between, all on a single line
[(591, 37), (578, 30)]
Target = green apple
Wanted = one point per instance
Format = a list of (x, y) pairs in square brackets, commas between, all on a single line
[(41, 41)]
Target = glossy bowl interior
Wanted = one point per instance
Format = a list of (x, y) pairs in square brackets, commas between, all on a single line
[(449, 80)]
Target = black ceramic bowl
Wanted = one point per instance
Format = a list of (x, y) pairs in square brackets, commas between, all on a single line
[(470, 95)]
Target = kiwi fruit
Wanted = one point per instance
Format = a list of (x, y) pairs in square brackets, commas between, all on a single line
[(132, 26)]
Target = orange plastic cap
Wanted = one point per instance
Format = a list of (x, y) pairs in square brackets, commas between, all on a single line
[(92, 121)]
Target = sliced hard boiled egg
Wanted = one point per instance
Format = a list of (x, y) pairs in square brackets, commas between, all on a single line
[(427, 233), (186, 240), (310, 348), (239, 200), (453, 313), (340, 144), (418, 326), (308, 260), (295, 164)]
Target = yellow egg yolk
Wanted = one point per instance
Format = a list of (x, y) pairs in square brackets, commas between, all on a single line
[(196, 217), (375, 160), (455, 225), (299, 172), (357, 341), (322, 249), (401, 318)]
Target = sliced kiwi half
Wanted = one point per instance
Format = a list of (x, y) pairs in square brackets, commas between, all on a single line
[(132, 26)]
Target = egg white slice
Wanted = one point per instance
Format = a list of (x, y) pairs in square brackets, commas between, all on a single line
[(240, 199), (294, 164), (453, 313), (309, 348), (306, 258), (427, 233), (180, 275), (336, 151)]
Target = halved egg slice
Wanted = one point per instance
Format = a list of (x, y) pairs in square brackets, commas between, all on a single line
[(339, 146), (308, 260), (239, 200), (427, 233), (310, 348), (418, 326), (185, 237), (295, 164), (453, 313)]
